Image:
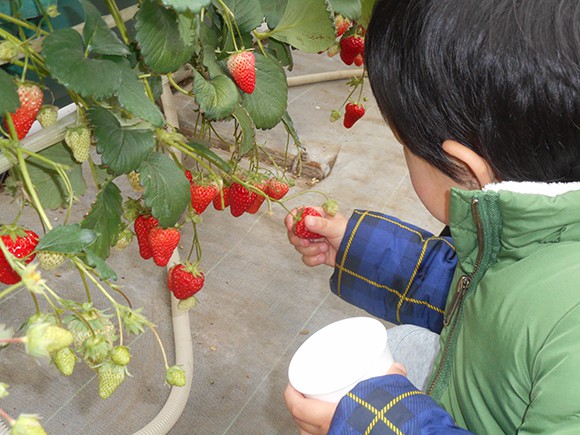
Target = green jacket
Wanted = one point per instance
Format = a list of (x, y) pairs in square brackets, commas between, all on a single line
[(510, 347)]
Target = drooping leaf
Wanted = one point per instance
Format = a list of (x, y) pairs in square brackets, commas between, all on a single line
[(9, 100), (65, 60), (267, 104), (104, 218), (50, 187), (186, 5), (202, 148), (132, 96), (105, 271), (247, 13), (166, 189), (273, 11), (289, 125), (306, 25), (68, 239), (97, 36), (210, 42), (122, 148), (161, 38), (218, 97), (347, 8), (248, 138), (281, 52)]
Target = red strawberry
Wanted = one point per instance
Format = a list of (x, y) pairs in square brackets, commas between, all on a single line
[(242, 68), (350, 48), (353, 112), (31, 97), (359, 59), (257, 203), (188, 175), (240, 199), (299, 225), (21, 244), (202, 195), (277, 189), (184, 280), (163, 242), (342, 24), (222, 199), (143, 225)]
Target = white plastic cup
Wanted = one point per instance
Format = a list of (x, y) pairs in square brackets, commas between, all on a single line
[(340, 355)]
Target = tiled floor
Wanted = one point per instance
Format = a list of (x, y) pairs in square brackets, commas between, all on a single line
[(258, 305)]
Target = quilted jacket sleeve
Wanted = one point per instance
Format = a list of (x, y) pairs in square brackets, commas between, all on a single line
[(394, 270), (391, 405)]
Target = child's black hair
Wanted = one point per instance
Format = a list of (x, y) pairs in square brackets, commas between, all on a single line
[(502, 77)]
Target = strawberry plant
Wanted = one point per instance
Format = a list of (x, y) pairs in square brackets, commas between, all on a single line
[(234, 55)]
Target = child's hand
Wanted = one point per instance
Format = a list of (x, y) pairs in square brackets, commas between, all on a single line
[(322, 251)]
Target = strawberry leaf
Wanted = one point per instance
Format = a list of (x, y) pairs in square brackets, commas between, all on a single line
[(267, 104), (289, 124), (186, 5), (273, 11), (65, 60), (97, 36), (347, 8), (248, 138), (164, 43), (68, 239), (50, 187), (306, 25), (132, 97), (105, 218), (122, 148), (9, 100), (105, 271), (202, 148), (367, 7), (166, 189), (218, 97), (248, 13)]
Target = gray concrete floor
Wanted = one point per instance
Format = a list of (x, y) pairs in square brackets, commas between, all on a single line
[(259, 302)]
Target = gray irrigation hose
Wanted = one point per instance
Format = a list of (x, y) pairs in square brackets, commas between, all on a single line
[(175, 404)]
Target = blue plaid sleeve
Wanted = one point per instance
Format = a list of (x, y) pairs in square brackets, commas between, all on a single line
[(394, 270), (390, 405)]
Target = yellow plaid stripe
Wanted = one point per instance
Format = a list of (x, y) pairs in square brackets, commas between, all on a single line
[(402, 297), (380, 414)]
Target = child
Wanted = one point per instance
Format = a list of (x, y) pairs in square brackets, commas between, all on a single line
[(484, 95)]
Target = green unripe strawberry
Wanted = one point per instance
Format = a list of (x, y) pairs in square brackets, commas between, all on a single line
[(175, 376), (43, 339), (65, 360), (110, 377), (27, 424), (95, 348), (8, 50), (135, 181), (330, 207), (120, 355), (47, 115), (79, 140), (50, 260)]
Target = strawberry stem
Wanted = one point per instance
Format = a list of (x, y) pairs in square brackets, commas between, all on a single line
[(6, 417), (160, 345)]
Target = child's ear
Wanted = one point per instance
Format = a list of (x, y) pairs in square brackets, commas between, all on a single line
[(477, 166)]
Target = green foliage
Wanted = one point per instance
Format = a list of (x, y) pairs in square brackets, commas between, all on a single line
[(68, 239), (9, 101)]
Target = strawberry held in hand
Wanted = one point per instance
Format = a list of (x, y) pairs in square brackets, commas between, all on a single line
[(184, 280), (163, 242), (20, 243), (353, 112), (242, 67), (31, 98), (300, 227)]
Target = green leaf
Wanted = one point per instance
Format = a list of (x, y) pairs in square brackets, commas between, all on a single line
[(166, 189), (49, 186), (247, 13), (248, 138), (210, 42), (105, 271), (161, 38), (66, 62), (68, 239), (122, 148), (132, 97), (347, 8), (307, 25), (186, 5), (273, 11), (9, 100), (202, 148), (105, 218), (366, 12), (289, 124), (218, 97), (281, 52), (267, 104), (97, 36)]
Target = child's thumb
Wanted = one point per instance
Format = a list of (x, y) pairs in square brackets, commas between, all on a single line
[(322, 226)]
